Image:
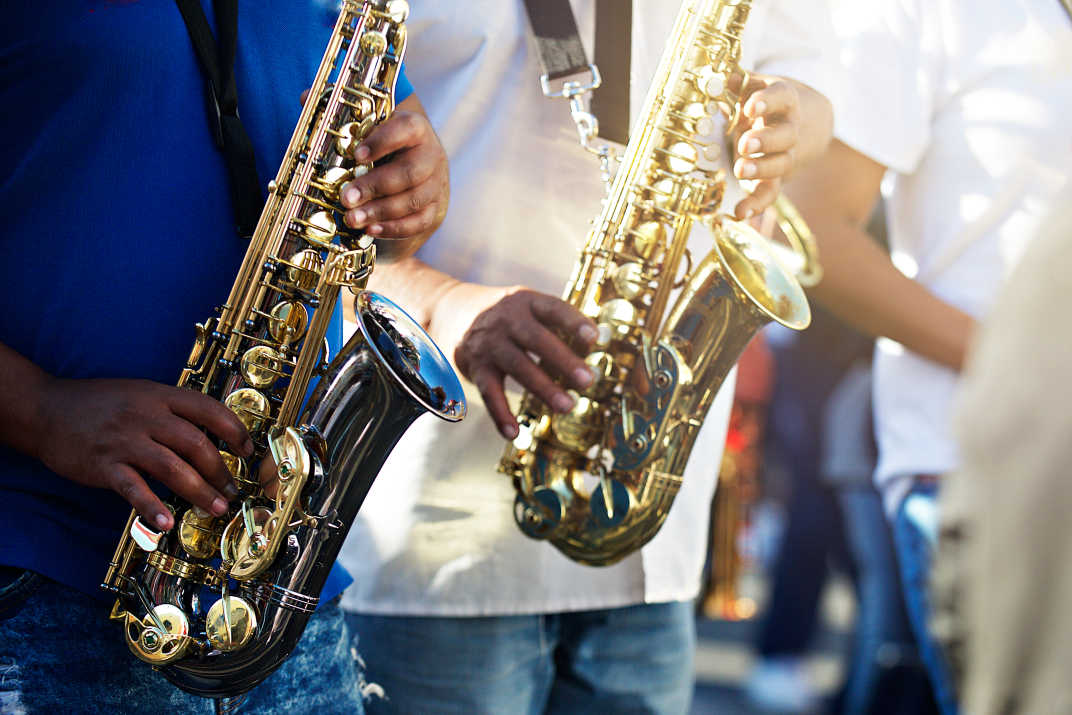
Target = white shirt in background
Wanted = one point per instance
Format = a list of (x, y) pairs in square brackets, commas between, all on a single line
[(436, 535), (968, 103)]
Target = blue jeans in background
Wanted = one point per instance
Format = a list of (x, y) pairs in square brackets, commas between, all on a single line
[(636, 659), (915, 529), (59, 653)]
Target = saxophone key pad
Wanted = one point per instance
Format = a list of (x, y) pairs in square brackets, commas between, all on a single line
[(230, 623)]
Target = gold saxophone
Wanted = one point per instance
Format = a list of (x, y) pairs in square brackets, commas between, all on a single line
[(216, 604), (598, 482)]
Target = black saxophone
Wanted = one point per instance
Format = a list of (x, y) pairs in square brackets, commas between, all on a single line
[(217, 603)]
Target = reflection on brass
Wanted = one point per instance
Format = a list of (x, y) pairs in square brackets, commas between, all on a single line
[(629, 280), (321, 227), (305, 268), (604, 370), (576, 428), (332, 181), (647, 237), (238, 469), (669, 328), (153, 645), (261, 366), (250, 406), (397, 10), (172, 566), (619, 314), (289, 321), (683, 157), (350, 135), (373, 43), (230, 623), (199, 534)]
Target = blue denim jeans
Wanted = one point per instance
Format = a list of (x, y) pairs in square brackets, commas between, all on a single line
[(884, 673), (59, 653), (636, 659), (915, 529)]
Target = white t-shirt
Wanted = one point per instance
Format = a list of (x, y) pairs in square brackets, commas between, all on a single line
[(968, 103), (436, 535)]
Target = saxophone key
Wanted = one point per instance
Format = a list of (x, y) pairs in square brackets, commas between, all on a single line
[(251, 408), (230, 623), (199, 533)]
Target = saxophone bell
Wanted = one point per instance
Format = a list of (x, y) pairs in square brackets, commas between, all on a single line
[(387, 375)]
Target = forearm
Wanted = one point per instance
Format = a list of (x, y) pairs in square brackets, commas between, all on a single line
[(21, 384), (862, 286), (836, 195), (413, 284)]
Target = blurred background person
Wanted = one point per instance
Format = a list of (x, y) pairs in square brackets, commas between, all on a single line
[(1003, 576), (961, 108)]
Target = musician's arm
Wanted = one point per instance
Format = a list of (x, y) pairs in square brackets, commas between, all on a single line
[(835, 194)]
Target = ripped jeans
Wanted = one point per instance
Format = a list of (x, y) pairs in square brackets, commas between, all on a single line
[(59, 653)]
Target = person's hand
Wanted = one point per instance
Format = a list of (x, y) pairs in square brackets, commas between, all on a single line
[(512, 326), (405, 196), (108, 433), (769, 132)]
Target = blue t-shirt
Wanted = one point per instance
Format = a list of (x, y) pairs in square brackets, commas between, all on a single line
[(118, 232)]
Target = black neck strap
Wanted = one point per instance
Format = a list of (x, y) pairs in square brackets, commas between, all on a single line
[(217, 63), (610, 103), (562, 54)]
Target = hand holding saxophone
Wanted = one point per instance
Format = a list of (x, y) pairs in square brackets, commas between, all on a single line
[(108, 433), (406, 196), (781, 124), (529, 336)]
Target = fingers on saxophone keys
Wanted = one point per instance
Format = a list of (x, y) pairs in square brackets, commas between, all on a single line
[(768, 166), (165, 466), (403, 173), (490, 383), (777, 99), (554, 354), (519, 366), (560, 315), (401, 130), (762, 196), (126, 483), (411, 225), (391, 208), (196, 449), (211, 414), (769, 139)]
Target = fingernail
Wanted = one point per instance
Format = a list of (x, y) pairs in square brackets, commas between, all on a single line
[(355, 218), (230, 490), (562, 402), (749, 214), (351, 196), (587, 333), (509, 431), (162, 520), (748, 170), (751, 146), (761, 107), (362, 153), (247, 447), (375, 229), (219, 507), (582, 376)]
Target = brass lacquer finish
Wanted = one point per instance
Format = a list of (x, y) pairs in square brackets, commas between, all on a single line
[(598, 482), (218, 602)]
